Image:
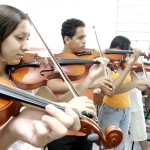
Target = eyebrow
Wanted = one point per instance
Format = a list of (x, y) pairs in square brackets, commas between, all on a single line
[(24, 33)]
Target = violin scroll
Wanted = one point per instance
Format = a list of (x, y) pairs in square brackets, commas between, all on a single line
[(114, 135)]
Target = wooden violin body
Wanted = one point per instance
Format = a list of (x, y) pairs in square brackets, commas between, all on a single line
[(8, 107), (34, 72)]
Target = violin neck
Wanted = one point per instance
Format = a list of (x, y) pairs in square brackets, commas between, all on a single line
[(73, 61), (28, 98), (108, 51)]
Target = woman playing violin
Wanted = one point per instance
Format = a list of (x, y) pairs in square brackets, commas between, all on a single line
[(74, 38), (33, 126), (115, 109)]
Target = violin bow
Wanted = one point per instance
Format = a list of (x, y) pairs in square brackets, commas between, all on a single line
[(100, 51), (54, 60)]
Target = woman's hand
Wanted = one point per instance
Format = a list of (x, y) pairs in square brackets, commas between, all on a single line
[(82, 103), (39, 128), (98, 69), (103, 82), (134, 57)]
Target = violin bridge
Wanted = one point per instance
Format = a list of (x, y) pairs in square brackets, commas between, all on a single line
[(45, 61)]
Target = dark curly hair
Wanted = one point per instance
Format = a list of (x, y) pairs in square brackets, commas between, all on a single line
[(69, 27)]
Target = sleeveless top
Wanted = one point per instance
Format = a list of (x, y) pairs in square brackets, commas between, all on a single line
[(119, 100)]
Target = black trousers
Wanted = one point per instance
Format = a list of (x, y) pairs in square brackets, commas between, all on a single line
[(70, 143)]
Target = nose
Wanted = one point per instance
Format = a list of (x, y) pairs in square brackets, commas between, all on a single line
[(25, 47), (84, 41)]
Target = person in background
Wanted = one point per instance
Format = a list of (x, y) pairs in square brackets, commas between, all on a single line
[(34, 127), (137, 124), (115, 109), (74, 38)]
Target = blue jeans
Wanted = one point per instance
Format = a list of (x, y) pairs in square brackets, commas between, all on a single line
[(115, 116)]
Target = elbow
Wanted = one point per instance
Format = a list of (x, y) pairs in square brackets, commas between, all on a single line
[(107, 92)]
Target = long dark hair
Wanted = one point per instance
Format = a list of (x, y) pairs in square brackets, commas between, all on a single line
[(10, 17), (120, 42)]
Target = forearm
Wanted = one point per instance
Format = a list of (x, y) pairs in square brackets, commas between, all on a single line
[(82, 87), (59, 87), (126, 87), (131, 85), (6, 137), (118, 82), (142, 88)]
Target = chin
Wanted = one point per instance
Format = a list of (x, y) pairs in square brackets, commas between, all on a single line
[(15, 62), (82, 50)]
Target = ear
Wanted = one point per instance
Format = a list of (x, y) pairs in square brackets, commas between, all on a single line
[(66, 39), (2, 59)]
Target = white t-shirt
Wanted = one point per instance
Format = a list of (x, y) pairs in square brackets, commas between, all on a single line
[(136, 100), (136, 96)]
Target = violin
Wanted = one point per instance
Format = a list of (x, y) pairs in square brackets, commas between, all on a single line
[(137, 67), (12, 98), (34, 71)]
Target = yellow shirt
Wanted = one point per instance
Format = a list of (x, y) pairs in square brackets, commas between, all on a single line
[(119, 100)]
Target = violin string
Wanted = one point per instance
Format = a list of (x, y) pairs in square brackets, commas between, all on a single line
[(64, 76)]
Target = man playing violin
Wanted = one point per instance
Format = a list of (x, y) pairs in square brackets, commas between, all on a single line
[(74, 38)]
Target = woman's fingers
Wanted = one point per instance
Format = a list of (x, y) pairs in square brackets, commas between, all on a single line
[(67, 120)]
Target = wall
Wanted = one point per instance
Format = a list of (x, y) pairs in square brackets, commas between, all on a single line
[(48, 15), (134, 22), (130, 18)]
